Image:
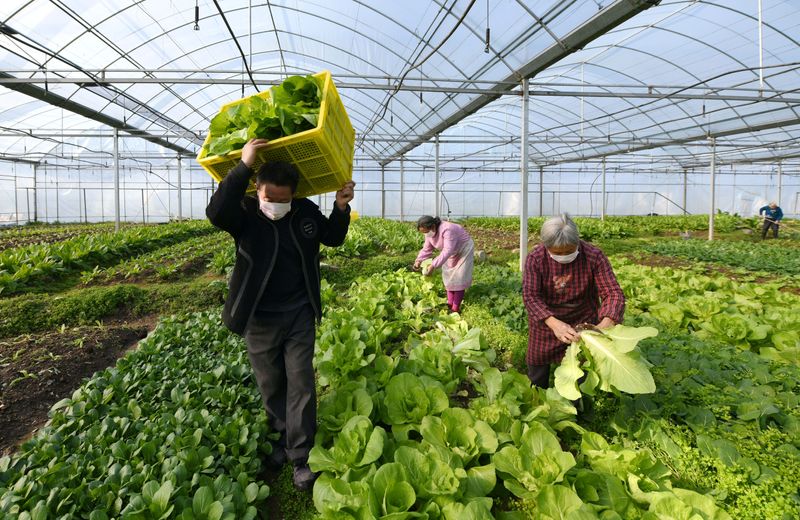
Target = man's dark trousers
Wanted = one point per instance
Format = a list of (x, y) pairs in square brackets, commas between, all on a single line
[(280, 346), (769, 224)]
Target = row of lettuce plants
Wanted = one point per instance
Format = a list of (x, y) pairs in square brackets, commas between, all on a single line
[(762, 317), (38, 263), (770, 256), (416, 423), (166, 261), (368, 236), (722, 418), (627, 226), (33, 230)]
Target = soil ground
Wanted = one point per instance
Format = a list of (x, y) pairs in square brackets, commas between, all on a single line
[(38, 370)]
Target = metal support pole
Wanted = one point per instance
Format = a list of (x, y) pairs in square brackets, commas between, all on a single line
[(144, 215), (436, 177), (685, 200), (180, 201), (780, 183), (760, 52), (16, 202), (35, 202), (79, 197), (116, 179), (402, 188), (85, 210), (383, 191), (523, 185), (712, 208), (191, 192), (541, 191), (603, 202)]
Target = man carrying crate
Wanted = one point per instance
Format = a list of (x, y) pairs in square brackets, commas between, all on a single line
[(274, 292)]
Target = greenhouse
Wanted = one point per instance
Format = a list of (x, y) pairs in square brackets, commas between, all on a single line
[(633, 163)]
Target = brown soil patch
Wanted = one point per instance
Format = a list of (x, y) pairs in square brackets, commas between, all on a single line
[(38, 370), (496, 239), (44, 238), (653, 260)]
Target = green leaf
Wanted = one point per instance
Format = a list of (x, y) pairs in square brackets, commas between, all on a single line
[(39, 512), (161, 498), (556, 502), (568, 373), (251, 492), (201, 503), (392, 490), (617, 365), (215, 511), (537, 461)]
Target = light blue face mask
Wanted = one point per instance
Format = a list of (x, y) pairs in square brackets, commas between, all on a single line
[(564, 259)]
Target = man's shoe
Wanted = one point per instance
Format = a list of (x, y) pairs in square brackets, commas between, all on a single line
[(303, 477)]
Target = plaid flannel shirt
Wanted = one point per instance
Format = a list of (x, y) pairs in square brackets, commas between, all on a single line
[(583, 291)]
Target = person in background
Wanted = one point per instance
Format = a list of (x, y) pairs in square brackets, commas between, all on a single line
[(274, 292), (566, 282), (772, 215), (456, 257)]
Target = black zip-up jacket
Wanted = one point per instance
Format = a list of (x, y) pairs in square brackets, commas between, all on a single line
[(256, 244)]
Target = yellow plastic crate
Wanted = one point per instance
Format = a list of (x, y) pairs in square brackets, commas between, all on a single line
[(323, 155)]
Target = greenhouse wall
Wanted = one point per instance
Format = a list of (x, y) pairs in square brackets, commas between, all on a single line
[(87, 196)]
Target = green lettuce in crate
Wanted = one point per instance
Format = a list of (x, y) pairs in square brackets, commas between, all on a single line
[(293, 107)]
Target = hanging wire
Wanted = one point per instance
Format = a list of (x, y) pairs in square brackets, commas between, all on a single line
[(488, 30), (236, 41), (197, 15), (415, 66)]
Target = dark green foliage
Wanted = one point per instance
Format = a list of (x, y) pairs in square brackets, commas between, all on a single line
[(38, 312)]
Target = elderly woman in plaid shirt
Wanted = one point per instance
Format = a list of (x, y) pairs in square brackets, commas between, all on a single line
[(566, 282)]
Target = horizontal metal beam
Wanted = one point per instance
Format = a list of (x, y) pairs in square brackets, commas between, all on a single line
[(684, 140), (552, 140), (599, 24), (67, 104), (387, 80), (544, 90)]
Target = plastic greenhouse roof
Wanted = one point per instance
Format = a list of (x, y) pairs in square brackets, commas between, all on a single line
[(658, 80)]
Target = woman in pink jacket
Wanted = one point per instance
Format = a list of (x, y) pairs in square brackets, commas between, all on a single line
[(456, 258)]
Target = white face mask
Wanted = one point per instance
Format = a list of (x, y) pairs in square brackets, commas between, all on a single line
[(430, 233), (564, 259), (275, 210)]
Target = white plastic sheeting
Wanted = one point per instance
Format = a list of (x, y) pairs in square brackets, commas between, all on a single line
[(647, 93)]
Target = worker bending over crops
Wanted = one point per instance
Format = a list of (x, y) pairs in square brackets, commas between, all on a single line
[(274, 292), (566, 282), (772, 215), (456, 257)]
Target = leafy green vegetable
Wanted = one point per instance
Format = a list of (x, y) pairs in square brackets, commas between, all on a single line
[(359, 444), (611, 358), (536, 462), (291, 107), (458, 431)]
